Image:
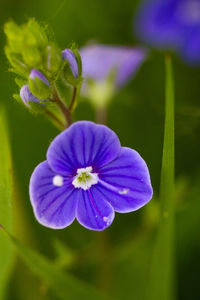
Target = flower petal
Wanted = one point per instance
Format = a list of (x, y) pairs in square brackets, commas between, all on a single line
[(54, 206), (27, 96), (100, 60), (93, 212), (190, 50), (157, 24), (125, 182), (82, 145)]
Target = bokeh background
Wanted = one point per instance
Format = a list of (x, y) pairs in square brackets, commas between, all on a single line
[(117, 262)]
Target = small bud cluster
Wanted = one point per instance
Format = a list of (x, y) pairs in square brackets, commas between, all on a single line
[(39, 64)]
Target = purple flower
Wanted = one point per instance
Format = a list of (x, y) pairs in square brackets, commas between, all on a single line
[(35, 74), (171, 24), (71, 58), (27, 96), (98, 61), (88, 176)]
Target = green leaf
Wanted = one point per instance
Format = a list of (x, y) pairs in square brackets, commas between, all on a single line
[(62, 284), (65, 256), (161, 281), (6, 252)]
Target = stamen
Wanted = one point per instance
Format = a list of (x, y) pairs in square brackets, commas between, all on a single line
[(85, 178)]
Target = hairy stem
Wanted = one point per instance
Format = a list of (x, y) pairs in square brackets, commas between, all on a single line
[(53, 117), (63, 108), (71, 106)]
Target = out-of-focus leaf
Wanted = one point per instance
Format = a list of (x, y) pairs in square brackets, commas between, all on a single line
[(6, 251), (188, 217), (65, 256), (131, 268), (161, 280), (63, 285)]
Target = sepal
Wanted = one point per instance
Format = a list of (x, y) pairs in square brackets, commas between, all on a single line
[(52, 59), (35, 35), (39, 85), (15, 36), (31, 57), (17, 63)]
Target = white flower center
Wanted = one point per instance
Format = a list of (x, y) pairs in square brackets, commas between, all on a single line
[(85, 178), (189, 11), (58, 180)]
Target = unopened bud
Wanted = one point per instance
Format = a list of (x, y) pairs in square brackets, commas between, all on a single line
[(71, 72), (17, 63), (31, 56), (15, 36), (34, 34), (27, 96), (52, 59), (39, 85)]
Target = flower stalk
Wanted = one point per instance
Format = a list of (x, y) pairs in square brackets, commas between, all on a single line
[(73, 100), (64, 109)]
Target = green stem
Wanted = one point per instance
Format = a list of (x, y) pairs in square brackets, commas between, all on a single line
[(101, 115), (167, 174), (58, 123), (161, 279), (73, 100), (106, 263), (63, 108)]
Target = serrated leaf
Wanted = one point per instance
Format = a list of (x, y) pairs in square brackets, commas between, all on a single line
[(161, 279), (6, 251)]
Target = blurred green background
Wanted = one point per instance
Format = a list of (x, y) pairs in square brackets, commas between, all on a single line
[(118, 261)]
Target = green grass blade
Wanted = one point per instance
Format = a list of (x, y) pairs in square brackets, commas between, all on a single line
[(6, 252), (161, 281), (62, 284)]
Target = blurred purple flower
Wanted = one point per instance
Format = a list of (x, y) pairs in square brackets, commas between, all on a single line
[(88, 176), (27, 96), (71, 58), (98, 61), (171, 24)]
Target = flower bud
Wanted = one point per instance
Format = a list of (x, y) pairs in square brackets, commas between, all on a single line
[(71, 71), (14, 36), (34, 34), (31, 56), (52, 59), (39, 85), (16, 62), (27, 96)]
